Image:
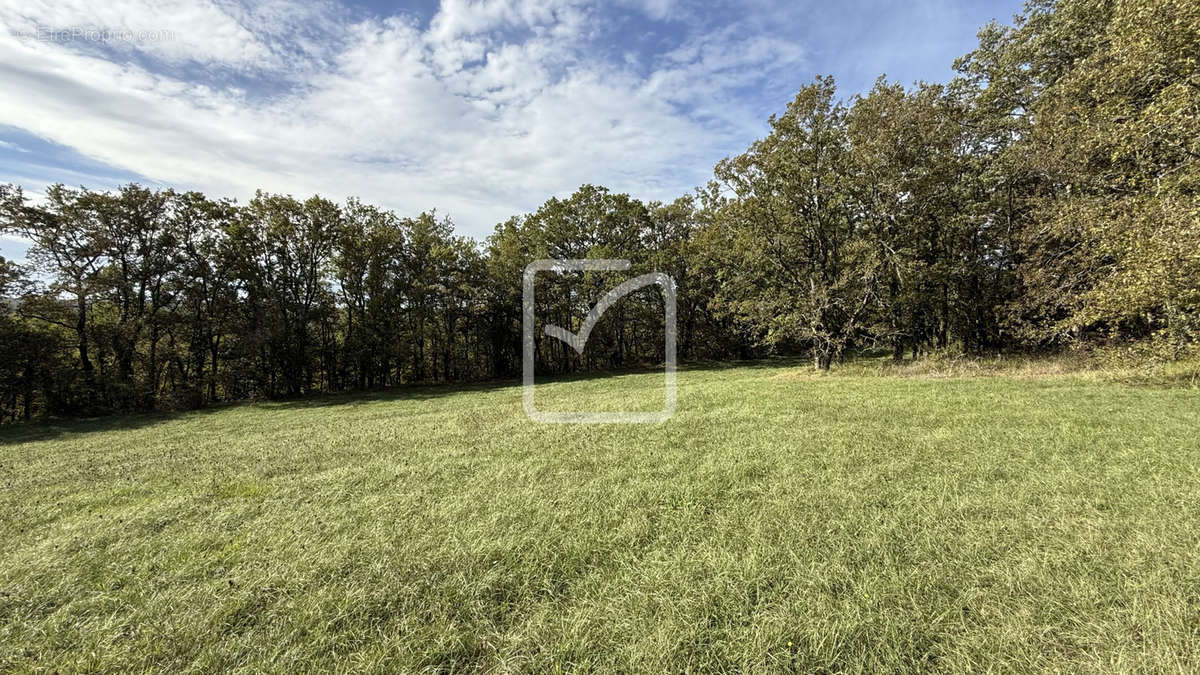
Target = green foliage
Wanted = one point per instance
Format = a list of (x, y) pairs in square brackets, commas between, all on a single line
[(170, 300), (794, 260), (1109, 110), (1048, 195), (1124, 137)]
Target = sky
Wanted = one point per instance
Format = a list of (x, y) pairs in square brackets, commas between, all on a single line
[(482, 109)]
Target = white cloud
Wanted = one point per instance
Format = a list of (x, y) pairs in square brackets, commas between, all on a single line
[(174, 30), (487, 111)]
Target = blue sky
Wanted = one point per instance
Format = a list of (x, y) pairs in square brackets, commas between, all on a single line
[(482, 109)]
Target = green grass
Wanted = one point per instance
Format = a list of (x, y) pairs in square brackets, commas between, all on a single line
[(780, 521)]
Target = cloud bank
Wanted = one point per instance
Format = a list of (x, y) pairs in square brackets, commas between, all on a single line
[(481, 109)]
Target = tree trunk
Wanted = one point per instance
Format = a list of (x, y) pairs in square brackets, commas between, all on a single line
[(85, 363), (212, 379)]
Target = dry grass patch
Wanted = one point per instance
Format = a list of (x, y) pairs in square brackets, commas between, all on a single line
[(1085, 366)]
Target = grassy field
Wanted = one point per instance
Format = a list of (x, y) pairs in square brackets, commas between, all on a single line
[(781, 521)]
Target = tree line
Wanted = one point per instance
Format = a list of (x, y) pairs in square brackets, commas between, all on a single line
[(1046, 196)]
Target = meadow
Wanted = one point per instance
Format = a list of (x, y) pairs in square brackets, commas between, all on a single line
[(781, 521)]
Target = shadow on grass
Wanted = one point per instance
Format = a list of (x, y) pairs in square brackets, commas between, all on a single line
[(44, 430), (419, 392)]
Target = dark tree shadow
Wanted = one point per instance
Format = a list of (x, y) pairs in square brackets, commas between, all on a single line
[(44, 430), (49, 429)]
